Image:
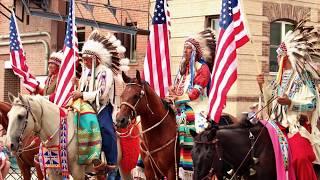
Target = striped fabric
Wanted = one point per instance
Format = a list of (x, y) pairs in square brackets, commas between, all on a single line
[(88, 133), (186, 118)]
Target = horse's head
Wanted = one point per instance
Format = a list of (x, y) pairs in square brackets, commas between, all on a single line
[(20, 120), (131, 99), (204, 154)]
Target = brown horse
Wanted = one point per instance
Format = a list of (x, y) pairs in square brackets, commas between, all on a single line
[(25, 159), (159, 128)]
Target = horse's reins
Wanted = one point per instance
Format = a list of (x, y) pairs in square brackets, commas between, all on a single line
[(212, 169), (255, 141), (36, 132), (134, 112)]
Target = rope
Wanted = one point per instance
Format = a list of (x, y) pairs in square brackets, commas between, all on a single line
[(143, 132), (251, 148)]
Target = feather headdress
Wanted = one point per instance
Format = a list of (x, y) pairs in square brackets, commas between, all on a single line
[(56, 58), (302, 45), (205, 45), (108, 50)]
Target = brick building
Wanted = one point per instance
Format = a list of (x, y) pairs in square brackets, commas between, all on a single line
[(43, 33), (268, 20)]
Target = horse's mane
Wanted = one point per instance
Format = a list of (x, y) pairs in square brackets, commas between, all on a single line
[(167, 106)]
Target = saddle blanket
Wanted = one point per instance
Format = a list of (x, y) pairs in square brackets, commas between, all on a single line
[(88, 132), (51, 156), (281, 151), (130, 147)]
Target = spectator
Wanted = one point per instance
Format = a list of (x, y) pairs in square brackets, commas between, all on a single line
[(4, 159)]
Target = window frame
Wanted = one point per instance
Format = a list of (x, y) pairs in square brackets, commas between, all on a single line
[(211, 18), (283, 23), (81, 29), (123, 37)]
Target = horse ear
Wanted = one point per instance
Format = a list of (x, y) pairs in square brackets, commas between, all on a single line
[(138, 76), (125, 78), (193, 133), (11, 97), (20, 97), (212, 134)]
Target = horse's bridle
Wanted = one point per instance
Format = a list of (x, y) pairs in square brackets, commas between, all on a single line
[(133, 107), (36, 124), (212, 169), (134, 112)]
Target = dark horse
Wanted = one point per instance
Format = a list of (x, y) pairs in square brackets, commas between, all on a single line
[(231, 145), (159, 128), (25, 159)]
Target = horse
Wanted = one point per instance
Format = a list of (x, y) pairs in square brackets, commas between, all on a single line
[(231, 145), (25, 159), (35, 114), (159, 128)]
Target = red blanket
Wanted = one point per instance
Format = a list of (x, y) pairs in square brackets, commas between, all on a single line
[(130, 147)]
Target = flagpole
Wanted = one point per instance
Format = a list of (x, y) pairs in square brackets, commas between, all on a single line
[(74, 52), (254, 54), (250, 36)]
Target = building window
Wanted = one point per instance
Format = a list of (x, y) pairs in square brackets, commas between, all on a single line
[(212, 22), (129, 41), (12, 84), (278, 30), (81, 37)]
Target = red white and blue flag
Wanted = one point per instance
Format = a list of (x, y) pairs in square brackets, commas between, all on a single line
[(232, 35), (18, 59), (70, 53), (157, 61)]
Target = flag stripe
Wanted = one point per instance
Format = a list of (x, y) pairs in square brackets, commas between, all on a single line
[(167, 53), (159, 60), (223, 72), (227, 39), (154, 62), (65, 76), (149, 64)]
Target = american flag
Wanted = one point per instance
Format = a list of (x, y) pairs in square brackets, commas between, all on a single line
[(18, 59), (157, 60), (232, 35), (70, 53)]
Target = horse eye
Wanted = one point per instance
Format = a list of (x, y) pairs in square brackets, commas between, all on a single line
[(20, 117)]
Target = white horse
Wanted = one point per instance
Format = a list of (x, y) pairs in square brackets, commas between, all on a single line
[(35, 114)]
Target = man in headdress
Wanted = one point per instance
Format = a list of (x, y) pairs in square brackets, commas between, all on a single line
[(102, 57), (296, 109), (54, 63), (189, 92)]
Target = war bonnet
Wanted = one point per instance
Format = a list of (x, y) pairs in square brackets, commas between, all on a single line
[(108, 50)]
